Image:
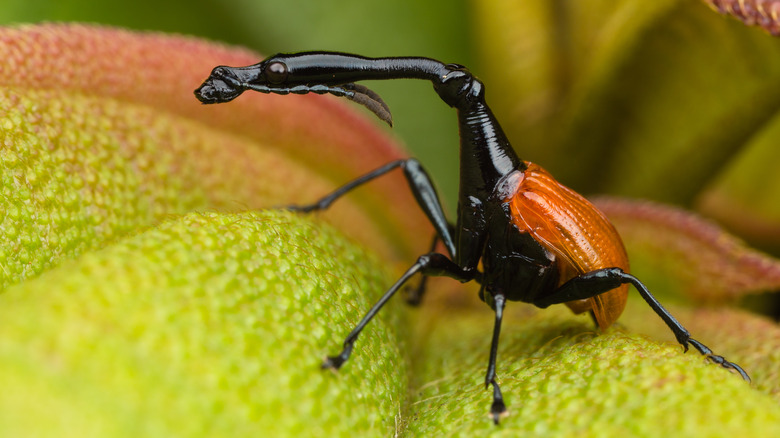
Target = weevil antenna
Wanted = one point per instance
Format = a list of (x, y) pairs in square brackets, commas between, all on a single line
[(371, 100)]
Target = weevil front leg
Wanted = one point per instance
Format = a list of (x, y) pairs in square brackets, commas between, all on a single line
[(419, 183), (498, 407), (597, 282), (433, 264), (414, 295)]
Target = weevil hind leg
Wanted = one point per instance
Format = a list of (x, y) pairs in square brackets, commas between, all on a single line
[(720, 360), (682, 335), (593, 318), (414, 295), (599, 281)]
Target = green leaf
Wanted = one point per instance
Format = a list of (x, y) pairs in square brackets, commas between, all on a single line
[(125, 315), (206, 325), (561, 378)]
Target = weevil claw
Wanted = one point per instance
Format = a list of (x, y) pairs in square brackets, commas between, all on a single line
[(332, 363), (498, 411), (720, 360)]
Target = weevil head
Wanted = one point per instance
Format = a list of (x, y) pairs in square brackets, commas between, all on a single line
[(226, 83), (313, 72), (222, 85)]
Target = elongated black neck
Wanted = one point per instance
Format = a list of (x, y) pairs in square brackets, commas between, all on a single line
[(340, 68), (485, 152)]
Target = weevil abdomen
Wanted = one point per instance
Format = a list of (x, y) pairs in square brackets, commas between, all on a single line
[(573, 229)]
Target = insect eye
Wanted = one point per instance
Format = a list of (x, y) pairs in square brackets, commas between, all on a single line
[(276, 72)]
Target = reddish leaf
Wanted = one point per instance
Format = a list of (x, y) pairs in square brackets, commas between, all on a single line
[(696, 256), (762, 13)]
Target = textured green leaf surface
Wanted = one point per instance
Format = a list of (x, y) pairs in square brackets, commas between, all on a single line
[(207, 325), (133, 323), (560, 378)]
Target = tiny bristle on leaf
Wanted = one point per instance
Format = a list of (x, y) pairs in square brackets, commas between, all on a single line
[(762, 13), (371, 100)]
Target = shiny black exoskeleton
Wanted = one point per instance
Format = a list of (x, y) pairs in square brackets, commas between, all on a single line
[(517, 266)]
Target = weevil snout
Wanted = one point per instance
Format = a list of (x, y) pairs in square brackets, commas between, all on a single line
[(221, 86)]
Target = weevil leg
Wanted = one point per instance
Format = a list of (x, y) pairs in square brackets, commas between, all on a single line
[(497, 408), (428, 264), (419, 183), (415, 294), (327, 200), (602, 280), (682, 335)]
